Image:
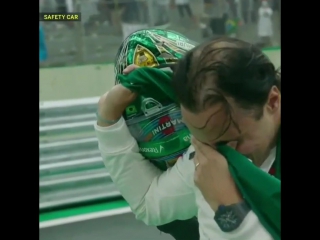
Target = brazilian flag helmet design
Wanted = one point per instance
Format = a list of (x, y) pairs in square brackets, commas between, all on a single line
[(156, 125)]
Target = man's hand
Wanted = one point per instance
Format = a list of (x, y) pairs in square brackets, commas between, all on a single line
[(113, 103), (212, 176), (130, 68)]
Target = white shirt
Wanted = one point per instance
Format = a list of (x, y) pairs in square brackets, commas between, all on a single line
[(157, 197), (265, 26)]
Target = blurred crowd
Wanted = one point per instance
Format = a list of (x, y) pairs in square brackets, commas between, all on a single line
[(105, 23)]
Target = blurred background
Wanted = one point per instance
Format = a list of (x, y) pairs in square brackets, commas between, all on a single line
[(105, 23), (77, 199)]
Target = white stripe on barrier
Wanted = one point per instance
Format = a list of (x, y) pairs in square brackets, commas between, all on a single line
[(47, 183), (67, 142), (84, 217), (68, 103), (67, 118), (70, 163), (67, 126)]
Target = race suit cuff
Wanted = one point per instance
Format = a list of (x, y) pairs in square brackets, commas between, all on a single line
[(114, 138)]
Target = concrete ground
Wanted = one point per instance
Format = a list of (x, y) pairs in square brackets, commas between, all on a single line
[(120, 227)]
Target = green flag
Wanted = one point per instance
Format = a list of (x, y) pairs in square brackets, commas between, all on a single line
[(259, 189)]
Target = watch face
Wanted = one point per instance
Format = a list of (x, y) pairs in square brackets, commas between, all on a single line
[(227, 221), (230, 217)]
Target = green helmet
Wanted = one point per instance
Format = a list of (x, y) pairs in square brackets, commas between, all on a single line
[(157, 126)]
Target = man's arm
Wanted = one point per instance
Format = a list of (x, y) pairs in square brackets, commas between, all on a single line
[(213, 178), (154, 196)]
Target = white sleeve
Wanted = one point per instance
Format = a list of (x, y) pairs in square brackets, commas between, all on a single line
[(155, 197)]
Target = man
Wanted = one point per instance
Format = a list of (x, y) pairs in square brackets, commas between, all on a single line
[(134, 17), (217, 12), (229, 91), (163, 13), (161, 49), (184, 5)]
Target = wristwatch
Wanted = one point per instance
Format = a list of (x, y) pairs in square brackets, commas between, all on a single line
[(230, 217)]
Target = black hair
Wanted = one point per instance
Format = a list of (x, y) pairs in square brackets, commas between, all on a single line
[(225, 67)]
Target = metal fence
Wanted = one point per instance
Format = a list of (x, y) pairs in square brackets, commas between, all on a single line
[(105, 23), (71, 170)]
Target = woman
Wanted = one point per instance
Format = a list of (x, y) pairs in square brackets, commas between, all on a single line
[(265, 26)]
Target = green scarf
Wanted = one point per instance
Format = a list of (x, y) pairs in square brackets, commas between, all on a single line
[(260, 190)]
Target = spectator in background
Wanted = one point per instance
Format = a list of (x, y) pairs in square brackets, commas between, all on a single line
[(65, 6), (115, 8), (134, 16), (163, 15), (184, 5), (217, 12), (233, 8), (248, 10), (204, 20), (95, 13), (61, 6), (265, 27), (43, 54)]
